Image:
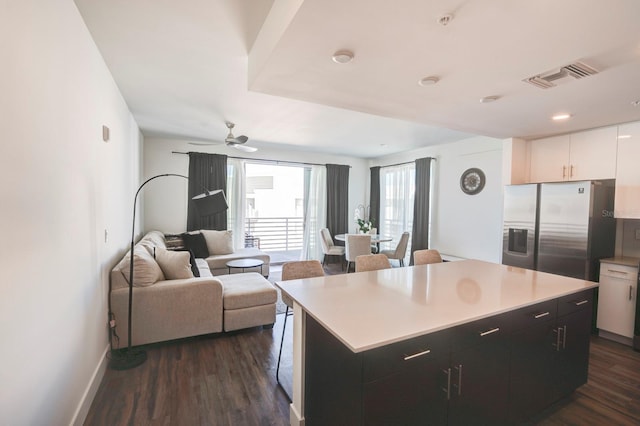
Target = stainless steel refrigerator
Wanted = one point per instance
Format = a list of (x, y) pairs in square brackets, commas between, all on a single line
[(562, 228)]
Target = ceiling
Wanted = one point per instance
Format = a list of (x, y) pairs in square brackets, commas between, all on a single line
[(186, 67)]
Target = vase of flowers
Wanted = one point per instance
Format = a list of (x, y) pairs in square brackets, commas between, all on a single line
[(364, 225)]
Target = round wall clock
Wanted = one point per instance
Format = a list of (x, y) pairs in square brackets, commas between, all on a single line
[(472, 181)]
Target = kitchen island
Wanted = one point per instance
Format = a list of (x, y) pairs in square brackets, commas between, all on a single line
[(462, 342)]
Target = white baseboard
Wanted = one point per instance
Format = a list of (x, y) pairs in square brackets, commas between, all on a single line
[(90, 392)]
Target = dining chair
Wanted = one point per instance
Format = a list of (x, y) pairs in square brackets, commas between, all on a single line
[(425, 257), (329, 248), (372, 262), (400, 251), (356, 245), (295, 271)]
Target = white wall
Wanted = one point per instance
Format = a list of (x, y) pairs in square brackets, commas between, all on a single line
[(61, 187), (165, 205), (468, 226)]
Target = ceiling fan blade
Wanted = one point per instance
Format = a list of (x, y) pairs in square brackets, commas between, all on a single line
[(203, 143), (244, 148), (234, 141)]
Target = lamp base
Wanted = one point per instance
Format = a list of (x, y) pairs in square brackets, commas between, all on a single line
[(124, 359)]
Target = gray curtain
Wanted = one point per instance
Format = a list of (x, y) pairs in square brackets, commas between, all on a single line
[(206, 171), (337, 199), (421, 208), (374, 197)]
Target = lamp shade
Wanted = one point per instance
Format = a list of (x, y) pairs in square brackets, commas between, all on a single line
[(210, 202)]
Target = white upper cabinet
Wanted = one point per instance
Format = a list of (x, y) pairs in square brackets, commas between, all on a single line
[(593, 154), (549, 159), (627, 201), (580, 156)]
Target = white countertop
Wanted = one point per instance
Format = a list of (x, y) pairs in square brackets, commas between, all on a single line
[(367, 310), (622, 260)]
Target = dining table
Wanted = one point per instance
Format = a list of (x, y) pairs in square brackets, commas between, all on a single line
[(375, 239)]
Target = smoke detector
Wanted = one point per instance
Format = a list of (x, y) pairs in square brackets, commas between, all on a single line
[(574, 71)]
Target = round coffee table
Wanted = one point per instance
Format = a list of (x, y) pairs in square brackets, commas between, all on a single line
[(244, 264)]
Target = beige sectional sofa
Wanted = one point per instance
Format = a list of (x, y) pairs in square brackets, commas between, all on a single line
[(169, 302)]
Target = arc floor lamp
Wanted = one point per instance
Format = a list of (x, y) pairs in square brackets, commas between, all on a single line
[(207, 203)]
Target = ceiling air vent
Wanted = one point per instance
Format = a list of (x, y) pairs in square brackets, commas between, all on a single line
[(550, 79)]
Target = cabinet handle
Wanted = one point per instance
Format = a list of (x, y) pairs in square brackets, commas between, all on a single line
[(564, 172), (618, 272), (630, 291), (459, 370), (416, 355), (557, 345), (447, 390), (571, 171), (541, 314), (564, 337), (493, 330), (582, 302)]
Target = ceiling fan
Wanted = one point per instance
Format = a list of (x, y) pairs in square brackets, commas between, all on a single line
[(232, 141), (237, 142)]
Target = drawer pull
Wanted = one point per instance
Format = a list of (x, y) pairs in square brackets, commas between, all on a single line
[(630, 291), (486, 333), (582, 302), (541, 314), (408, 357), (618, 272)]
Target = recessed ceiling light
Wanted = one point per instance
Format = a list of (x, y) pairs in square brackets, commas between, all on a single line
[(635, 103), (429, 81), (342, 57), (489, 99), (560, 117), (624, 137)]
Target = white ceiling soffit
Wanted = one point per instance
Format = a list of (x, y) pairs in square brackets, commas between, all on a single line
[(488, 48), (182, 67)]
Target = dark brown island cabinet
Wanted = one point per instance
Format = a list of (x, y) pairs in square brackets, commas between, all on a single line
[(499, 370)]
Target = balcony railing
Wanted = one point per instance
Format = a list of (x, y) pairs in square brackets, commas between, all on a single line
[(275, 233)]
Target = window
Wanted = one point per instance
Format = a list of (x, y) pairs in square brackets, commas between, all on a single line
[(397, 188)]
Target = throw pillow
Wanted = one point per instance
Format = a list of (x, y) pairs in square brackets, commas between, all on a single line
[(218, 242), (174, 264), (196, 243), (192, 261), (146, 270)]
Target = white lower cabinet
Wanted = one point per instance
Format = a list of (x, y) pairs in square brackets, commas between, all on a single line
[(617, 298)]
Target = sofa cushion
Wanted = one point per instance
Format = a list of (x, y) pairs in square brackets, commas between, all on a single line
[(218, 242), (175, 265), (203, 268), (196, 243), (146, 270), (151, 240), (246, 290)]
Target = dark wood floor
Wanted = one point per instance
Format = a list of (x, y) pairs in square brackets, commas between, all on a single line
[(229, 379)]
